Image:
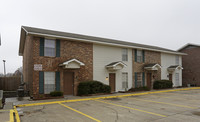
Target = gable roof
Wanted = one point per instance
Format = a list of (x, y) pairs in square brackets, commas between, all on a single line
[(72, 60), (175, 67), (152, 65), (113, 64), (188, 45), (64, 35)]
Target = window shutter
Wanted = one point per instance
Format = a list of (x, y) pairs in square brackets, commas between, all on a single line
[(57, 81), (41, 46), (57, 48), (135, 55), (135, 79), (143, 78), (41, 82), (143, 55)]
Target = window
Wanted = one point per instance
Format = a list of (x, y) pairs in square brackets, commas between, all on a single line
[(49, 48), (49, 82), (124, 54), (139, 79), (139, 56), (177, 77), (177, 60), (125, 80)]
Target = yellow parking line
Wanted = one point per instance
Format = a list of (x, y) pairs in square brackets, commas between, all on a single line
[(132, 108), (80, 112), (96, 98), (11, 116), (165, 103), (16, 114)]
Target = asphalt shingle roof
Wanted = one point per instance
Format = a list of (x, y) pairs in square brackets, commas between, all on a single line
[(173, 66), (38, 31)]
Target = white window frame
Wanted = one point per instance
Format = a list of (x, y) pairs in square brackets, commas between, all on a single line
[(50, 47), (177, 77), (139, 81), (49, 82), (124, 54), (177, 60), (139, 56), (125, 80)]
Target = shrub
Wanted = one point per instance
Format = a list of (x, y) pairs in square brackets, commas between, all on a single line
[(162, 84), (92, 87), (144, 88), (106, 89), (56, 93)]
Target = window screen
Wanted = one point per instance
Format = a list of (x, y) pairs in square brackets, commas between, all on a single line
[(139, 55), (124, 80), (49, 47), (49, 82), (124, 54), (139, 79), (177, 60), (177, 77)]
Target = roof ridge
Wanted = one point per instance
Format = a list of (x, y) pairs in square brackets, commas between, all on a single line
[(39, 31)]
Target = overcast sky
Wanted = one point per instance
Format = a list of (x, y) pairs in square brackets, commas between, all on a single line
[(165, 23)]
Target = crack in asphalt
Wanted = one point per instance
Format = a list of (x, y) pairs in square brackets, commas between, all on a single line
[(116, 112)]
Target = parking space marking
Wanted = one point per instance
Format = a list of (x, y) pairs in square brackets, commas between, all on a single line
[(11, 116), (131, 108), (96, 98), (80, 112), (16, 115), (178, 105)]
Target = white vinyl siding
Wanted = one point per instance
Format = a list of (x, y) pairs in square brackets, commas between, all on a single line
[(104, 55), (49, 82), (49, 48), (139, 56), (124, 80), (124, 54), (139, 79)]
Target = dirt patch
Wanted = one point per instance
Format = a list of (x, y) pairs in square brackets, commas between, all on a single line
[(113, 99)]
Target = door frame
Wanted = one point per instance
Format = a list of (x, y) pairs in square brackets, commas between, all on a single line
[(171, 76), (64, 81), (149, 82), (114, 82)]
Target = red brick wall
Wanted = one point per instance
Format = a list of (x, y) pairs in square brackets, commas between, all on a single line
[(150, 57), (68, 50), (28, 63), (191, 66)]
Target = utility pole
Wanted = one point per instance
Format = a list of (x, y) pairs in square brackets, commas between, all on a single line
[(4, 63)]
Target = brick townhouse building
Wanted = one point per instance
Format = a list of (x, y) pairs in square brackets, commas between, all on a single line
[(54, 60), (191, 64)]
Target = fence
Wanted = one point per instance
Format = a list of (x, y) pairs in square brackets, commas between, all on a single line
[(9, 83)]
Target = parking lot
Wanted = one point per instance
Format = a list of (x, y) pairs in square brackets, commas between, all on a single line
[(180, 105)]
